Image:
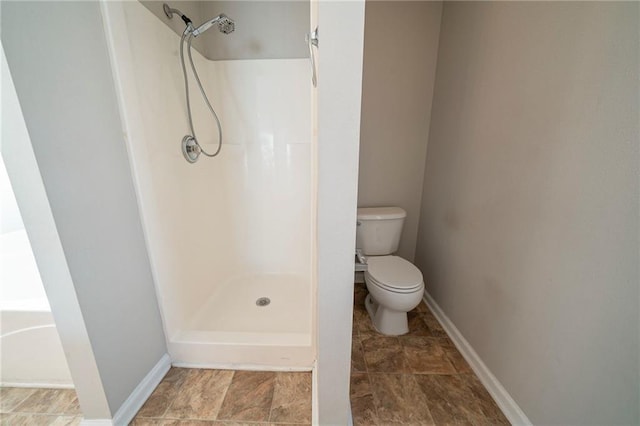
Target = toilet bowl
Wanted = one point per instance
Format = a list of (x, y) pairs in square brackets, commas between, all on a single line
[(395, 285)]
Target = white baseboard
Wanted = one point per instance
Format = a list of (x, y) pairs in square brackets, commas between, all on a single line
[(140, 394), (96, 422), (506, 403)]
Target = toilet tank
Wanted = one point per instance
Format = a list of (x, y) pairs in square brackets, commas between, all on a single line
[(379, 228)]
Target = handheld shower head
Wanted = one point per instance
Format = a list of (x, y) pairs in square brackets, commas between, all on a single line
[(225, 24)]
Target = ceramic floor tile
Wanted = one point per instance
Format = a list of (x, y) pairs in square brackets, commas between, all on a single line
[(225, 423), (456, 358), (362, 405), (10, 398), (492, 422), (168, 422), (359, 294), (417, 325), (422, 307), (487, 404), (450, 400), (435, 328), (175, 422), (291, 398), (283, 424), (399, 399), (73, 409), (29, 419), (357, 355), (67, 421), (363, 322), (249, 397), (384, 354), (164, 394), (425, 355), (138, 421), (50, 401), (201, 395)]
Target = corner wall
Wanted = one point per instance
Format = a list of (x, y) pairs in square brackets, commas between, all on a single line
[(528, 234), (338, 114), (63, 79), (397, 88)]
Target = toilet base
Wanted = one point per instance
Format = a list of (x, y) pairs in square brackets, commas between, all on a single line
[(386, 321)]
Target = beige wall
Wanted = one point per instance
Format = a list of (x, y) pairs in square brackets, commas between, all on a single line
[(264, 29), (529, 232), (400, 50)]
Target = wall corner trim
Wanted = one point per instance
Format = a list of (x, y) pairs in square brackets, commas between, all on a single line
[(507, 404), (140, 394)]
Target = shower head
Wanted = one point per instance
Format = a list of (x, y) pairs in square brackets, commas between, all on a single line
[(225, 24)]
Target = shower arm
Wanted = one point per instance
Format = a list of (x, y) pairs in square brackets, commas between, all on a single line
[(169, 11)]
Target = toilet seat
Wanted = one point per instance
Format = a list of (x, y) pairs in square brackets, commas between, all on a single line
[(393, 274)]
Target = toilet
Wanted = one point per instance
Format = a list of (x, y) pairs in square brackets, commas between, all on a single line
[(395, 285)]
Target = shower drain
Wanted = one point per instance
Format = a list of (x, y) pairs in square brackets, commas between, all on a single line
[(263, 301)]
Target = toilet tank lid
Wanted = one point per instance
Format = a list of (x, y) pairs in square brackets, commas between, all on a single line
[(384, 213)]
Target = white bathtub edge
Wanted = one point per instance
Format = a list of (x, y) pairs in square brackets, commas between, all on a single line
[(140, 394)]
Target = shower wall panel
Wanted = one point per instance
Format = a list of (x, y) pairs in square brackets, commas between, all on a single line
[(243, 214)]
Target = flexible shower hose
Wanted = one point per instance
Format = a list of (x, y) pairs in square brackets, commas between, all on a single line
[(188, 36)]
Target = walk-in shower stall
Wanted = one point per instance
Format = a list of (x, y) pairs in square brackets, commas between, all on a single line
[(231, 237)]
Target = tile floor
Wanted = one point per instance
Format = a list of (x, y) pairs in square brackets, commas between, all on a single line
[(39, 407), (226, 397), (185, 397), (416, 379)]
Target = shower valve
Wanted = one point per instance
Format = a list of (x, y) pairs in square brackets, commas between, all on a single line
[(190, 149)]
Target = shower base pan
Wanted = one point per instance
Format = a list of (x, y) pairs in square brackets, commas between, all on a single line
[(251, 322)]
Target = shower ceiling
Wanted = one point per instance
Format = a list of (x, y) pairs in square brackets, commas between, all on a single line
[(268, 30)]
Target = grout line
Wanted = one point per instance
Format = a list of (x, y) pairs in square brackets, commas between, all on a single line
[(364, 358), (373, 397), (224, 396), (33, 391), (170, 404), (275, 383)]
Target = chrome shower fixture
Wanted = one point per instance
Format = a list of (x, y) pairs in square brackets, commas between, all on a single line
[(170, 11), (191, 148), (225, 24)]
